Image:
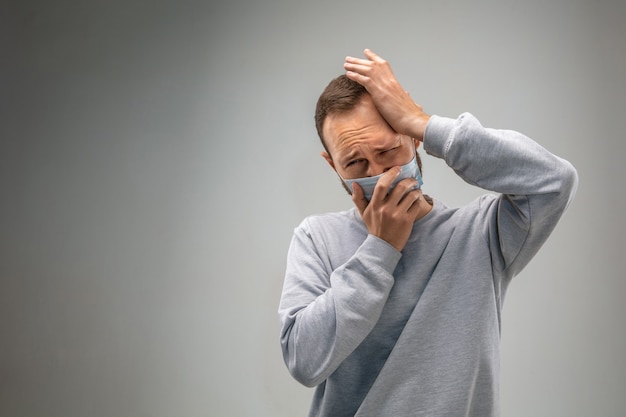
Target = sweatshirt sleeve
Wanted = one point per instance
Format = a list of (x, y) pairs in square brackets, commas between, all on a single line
[(535, 186), (326, 314)]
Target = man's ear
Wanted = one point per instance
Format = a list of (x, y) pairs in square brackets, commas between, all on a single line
[(328, 159)]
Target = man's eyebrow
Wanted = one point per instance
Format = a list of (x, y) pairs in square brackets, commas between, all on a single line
[(386, 146), (349, 156)]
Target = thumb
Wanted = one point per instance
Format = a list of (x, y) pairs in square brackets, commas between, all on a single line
[(358, 197)]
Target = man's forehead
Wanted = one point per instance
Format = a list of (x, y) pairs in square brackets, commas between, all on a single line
[(371, 142), (360, 125), (352, 140)]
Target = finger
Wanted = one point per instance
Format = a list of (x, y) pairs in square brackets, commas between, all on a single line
[(355, 66), (409, 198), (412, 200), (377, 61), (372, 56), (358, 197), (384, 183), (400, 192), (358, 61), (358, 68), (359, 78)]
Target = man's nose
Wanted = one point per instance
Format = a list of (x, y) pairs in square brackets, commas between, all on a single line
[(375, 168)]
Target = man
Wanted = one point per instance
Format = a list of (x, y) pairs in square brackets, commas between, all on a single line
[(393, 308)]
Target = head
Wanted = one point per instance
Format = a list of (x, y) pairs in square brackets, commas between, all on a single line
[(357, 140)]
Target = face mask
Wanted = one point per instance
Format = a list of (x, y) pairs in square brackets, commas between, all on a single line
[(410, 170)]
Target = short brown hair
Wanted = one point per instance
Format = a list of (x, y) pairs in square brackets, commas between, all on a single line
[(340, 95)]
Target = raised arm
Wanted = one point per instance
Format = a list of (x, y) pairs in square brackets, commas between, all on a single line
[(535, 185)]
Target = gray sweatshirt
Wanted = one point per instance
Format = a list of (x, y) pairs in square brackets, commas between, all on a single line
[(417, 333)]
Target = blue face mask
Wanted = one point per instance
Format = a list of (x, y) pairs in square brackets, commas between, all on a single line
[(410, 170)]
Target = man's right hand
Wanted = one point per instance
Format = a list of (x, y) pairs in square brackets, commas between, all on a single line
[(390, 216)]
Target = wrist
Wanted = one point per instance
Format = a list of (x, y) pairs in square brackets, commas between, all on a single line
[(418, 126)]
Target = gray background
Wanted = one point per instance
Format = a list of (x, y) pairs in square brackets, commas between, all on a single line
[(156, 156)]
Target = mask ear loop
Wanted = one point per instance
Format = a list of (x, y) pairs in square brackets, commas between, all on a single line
[(427, 198)]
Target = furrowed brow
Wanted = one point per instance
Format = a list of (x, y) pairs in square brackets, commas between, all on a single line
[(386, 146), (349, 156)]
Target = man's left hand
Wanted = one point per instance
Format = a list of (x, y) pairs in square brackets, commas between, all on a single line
[(392, 101)]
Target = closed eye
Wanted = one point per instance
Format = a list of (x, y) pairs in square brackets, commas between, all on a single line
[(389, 150), (354, 162)]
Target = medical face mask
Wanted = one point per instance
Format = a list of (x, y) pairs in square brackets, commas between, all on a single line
[(410, 170)]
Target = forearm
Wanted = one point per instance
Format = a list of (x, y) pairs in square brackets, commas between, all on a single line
[(503, 161), (325, 317)]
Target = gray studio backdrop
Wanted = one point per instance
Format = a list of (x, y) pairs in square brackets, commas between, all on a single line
[(155, 157)]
